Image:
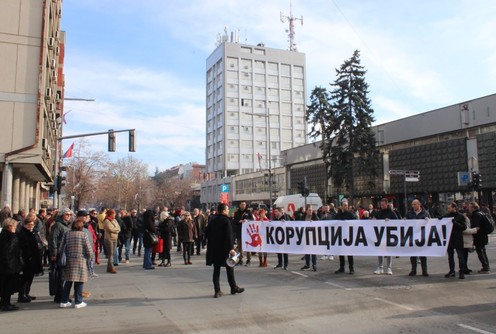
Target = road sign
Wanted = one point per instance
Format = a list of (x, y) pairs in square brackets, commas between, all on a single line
[(397, 172), (463, 178), (224, 198), (224, 188)]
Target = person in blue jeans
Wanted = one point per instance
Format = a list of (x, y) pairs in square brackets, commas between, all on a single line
[(310, 215), (149, 227)]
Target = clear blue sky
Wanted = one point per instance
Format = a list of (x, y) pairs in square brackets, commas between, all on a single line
[(144, 61)]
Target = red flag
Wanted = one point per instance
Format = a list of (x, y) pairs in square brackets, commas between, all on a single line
[(68, 153)]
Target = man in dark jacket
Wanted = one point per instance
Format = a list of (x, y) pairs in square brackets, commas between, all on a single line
[(417, 212), (456, 241), (282, 258), (242, 215), (220, 245), (345, 214), (480, 238)]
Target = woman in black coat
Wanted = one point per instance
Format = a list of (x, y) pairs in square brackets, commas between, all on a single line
[(166, 230), (10, 263), (31, 256), (149, 227)]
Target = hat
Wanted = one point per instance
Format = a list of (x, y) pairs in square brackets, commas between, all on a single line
[(82, 213), (64, 211)]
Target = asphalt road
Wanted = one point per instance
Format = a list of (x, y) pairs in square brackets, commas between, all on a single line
[(180, 299)]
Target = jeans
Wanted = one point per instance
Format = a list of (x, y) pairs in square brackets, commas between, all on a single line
[(147, 258), (482, 255), (137, 242), (187, 251), (389, 261), (342, 262), (127, 245), (78, 292), (307, 260), (281, 258), (461, 259)]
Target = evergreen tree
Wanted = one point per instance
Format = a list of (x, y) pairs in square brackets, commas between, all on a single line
[(344, 123)]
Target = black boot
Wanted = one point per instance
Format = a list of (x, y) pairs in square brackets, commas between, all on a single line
[(23, 299)]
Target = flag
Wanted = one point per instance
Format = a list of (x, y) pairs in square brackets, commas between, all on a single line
[(68, 153)]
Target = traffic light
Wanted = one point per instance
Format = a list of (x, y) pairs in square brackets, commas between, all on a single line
[(302, 188), (111, 140), (60, 181), (132, 141), (476, 181)]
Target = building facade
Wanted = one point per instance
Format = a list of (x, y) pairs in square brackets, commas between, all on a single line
[(31, 99), (445, 145), (255, 109)]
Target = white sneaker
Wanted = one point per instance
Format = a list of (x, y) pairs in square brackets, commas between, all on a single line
[(64, 305), (325, 257), (81, 305), (389, 271), (379, 271), (331, 257)]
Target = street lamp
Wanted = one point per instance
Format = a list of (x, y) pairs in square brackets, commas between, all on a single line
[(269, 163)]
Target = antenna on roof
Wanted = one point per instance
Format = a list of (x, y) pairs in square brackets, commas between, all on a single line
[(291, 31)]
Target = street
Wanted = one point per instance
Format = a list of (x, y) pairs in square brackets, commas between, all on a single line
[(179, 299)]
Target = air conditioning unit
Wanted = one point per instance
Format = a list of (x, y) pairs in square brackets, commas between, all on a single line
[(51, 42), (44, 144)]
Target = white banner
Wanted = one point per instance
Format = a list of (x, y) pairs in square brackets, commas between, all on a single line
[(423, 237)]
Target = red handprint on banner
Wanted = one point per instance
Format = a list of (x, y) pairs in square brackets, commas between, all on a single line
[(254, 234)]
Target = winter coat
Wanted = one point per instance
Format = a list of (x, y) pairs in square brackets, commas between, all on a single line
[(148, 227), (345, 215), (187, 231), (111, 228), (219, 240), (480, 238), (456, 238), (385, 214), (31, 254), (57, 231), (421, 215), (10, 254), (78, 252), (166, 230), (468, 234)]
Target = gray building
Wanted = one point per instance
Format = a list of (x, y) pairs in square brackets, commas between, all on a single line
[(444, 145)]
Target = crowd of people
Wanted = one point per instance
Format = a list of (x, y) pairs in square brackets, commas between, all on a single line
[(70, 243)]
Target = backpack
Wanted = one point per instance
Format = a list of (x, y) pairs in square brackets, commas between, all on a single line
[(486, 223)]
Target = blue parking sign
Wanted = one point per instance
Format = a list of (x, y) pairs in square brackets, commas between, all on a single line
[(224, 188)]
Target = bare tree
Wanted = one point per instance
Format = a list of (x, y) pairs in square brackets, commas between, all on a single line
[(82, 174)]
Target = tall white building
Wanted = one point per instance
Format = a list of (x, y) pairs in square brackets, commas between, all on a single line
[(250, 89)]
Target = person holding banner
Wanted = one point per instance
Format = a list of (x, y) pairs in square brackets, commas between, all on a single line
[(456, 241), (385, 213), (220, 245), (243, 214), (417, 212), (282, 258), (345, 214), (310, 215)]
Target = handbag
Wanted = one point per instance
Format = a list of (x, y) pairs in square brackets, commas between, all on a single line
[(42, 241), (153, 237), (62, 258)]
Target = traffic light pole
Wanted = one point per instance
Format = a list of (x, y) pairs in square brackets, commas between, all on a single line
[(132, 147)]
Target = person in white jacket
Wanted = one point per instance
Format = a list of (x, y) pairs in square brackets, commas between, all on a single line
[(468, 242)]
